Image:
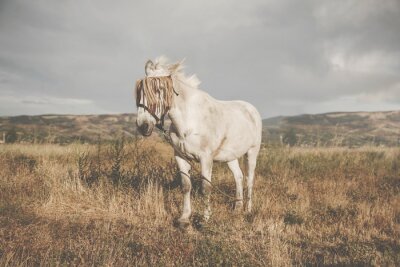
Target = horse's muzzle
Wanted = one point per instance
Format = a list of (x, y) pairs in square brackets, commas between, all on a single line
[(146, 129)]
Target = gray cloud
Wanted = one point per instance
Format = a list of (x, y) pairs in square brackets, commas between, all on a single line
[(285, 57)]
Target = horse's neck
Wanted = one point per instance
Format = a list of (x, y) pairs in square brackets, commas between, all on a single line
[(182, 114)]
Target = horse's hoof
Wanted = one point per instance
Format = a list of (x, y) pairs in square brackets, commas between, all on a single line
[(248, 206), (198, 221), (238, 208), (182, 223)]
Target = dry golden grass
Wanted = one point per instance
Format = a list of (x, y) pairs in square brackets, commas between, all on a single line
[(112, 205)]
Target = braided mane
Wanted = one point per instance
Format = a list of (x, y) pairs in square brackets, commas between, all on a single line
[(156, 94)]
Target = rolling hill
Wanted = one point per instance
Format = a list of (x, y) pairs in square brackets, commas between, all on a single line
[(337, 128), (68, 128), (329, 129)]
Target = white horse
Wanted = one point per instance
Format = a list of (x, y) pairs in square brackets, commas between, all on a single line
[(203, 129)]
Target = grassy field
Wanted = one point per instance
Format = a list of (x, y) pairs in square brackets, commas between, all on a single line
[(114, 205)]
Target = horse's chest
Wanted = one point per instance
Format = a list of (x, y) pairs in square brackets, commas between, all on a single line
[(187, 146)]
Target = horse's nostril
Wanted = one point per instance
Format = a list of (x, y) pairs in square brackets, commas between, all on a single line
[(144, 127)]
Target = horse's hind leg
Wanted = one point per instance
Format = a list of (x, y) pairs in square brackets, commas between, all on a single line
[(251, 166), (238, 175), (206, 171)]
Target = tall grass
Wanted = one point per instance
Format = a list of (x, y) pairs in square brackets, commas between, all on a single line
[(114, 204)]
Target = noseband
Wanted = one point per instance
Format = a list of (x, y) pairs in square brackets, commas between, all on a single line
[(159, 121), (158, 93)]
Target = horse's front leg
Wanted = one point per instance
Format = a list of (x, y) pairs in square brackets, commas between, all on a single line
[(184, 168), (206, 171)]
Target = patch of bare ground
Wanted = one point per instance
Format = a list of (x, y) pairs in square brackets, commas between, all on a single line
[(114, 205)]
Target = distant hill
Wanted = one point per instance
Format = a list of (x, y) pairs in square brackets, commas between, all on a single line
[(337, 129), (68, 128)]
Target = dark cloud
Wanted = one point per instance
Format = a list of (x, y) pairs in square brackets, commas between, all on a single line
[(285, 57)]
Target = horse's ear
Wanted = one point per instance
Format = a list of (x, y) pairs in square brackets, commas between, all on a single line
[(149, 67)]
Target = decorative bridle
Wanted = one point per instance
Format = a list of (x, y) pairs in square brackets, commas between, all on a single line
[(158, 93)]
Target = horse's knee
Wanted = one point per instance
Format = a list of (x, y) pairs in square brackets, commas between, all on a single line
[(186, 185)]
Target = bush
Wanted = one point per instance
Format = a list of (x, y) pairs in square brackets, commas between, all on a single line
[(11, 136)]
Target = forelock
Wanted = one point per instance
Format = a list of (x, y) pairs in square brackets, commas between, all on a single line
[(158, 92)]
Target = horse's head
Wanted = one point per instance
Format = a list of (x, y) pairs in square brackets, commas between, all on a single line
[(154, 96), (144, 120)]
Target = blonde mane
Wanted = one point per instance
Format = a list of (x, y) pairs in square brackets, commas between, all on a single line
[(176, 72)]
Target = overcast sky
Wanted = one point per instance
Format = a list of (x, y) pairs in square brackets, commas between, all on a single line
[(285, 57)]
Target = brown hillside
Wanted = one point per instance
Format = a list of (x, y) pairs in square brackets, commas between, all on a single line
[(69, 128), (338, 128)]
